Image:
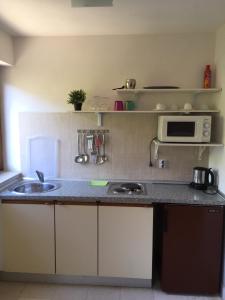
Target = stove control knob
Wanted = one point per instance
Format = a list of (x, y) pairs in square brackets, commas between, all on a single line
[(206, 133), (206, 125)]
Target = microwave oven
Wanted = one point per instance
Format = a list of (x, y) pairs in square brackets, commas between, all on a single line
[(184, 129)]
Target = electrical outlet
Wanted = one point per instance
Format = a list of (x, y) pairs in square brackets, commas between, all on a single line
[(163, 163)]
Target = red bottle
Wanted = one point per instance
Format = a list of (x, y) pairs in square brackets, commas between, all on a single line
[(207, 77)]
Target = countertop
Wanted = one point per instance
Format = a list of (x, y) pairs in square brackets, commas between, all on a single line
[(81, 191)]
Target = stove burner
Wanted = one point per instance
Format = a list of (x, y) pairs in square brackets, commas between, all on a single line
[(131, 187), (119, 190)]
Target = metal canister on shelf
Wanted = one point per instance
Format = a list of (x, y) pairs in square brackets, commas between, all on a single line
[(130, 84)]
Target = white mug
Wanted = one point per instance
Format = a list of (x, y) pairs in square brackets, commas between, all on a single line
[(187, 106), (160, 106)]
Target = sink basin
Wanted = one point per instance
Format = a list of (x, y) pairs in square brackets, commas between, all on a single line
[(35, 187)]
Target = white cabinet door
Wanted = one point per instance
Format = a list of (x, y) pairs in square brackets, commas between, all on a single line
[(125, 241), (28, 238), (76, 239), (1, 242)]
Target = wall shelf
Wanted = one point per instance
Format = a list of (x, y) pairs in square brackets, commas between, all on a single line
[(151, 111), (194, 92), (202, 147), (175, 91), (100, 114)]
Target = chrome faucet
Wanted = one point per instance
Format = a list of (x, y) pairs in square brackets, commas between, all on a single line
[(40, 176)]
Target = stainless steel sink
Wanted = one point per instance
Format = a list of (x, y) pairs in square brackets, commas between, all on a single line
[(35, 187)]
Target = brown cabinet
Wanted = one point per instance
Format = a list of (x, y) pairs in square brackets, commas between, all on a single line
[(192, 249)]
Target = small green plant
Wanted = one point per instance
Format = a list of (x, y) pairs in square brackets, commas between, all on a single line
[(76, 96)]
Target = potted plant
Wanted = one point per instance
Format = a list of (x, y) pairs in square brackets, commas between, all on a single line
[(76, 97)]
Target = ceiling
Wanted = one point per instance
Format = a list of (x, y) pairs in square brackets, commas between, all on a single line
[(58, 18)]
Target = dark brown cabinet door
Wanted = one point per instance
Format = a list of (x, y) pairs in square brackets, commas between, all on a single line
[(192, 249)]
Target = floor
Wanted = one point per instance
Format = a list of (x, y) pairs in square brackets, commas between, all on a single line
[(34, 291)]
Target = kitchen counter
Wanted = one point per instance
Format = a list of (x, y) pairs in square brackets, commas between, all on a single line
[(82, 192)]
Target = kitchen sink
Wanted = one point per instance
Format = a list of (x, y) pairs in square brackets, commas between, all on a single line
[(35, 187)]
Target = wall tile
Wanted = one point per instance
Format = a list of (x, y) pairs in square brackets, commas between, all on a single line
[(127, 146)]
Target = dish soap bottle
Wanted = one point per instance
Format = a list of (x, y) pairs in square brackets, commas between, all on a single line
[(207, 77)]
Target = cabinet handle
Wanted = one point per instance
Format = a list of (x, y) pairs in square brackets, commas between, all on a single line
[(165, 219)]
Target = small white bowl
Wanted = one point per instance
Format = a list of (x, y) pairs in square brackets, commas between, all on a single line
[(160, 106), (187, 106)]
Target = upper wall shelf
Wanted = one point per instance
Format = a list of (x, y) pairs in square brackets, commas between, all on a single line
[(175, 91), (154, 111), (182, 111), (193, 92)]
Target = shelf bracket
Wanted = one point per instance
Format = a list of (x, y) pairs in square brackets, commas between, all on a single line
[(195, 96), (99, 119), (156, 152), (201, 150)]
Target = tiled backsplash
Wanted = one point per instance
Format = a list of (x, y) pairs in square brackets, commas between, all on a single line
[(127, 146)]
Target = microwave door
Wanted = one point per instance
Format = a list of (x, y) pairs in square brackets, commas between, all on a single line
[(181, 131)]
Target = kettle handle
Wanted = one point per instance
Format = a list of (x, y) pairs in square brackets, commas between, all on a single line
[(210, 173)]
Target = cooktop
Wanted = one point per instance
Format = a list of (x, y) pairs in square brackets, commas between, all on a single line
[(126, 188)]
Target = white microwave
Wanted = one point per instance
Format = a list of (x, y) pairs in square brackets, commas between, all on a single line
[(184, 129)]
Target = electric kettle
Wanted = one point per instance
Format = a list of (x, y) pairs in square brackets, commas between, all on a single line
[(202, 178)]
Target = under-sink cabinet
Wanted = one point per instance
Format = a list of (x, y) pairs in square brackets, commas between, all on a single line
[(28, 238), (76, 239)]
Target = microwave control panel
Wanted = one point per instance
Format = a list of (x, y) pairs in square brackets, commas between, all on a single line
[(206, 129)]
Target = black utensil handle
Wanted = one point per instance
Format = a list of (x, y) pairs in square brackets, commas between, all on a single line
[(120, 88), (212, 177), (165, 219)]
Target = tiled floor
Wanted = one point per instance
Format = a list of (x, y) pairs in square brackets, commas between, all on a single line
[(30, 291)]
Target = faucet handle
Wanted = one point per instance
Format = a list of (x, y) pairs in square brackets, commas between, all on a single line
[(40, 176)]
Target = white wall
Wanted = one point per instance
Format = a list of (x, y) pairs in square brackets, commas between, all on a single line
[(217, 156), (1, 245), (6, 49), (127, 147), (47, 69)]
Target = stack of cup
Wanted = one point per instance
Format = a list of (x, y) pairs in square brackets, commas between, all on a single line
[(127, 105), (118, 105)]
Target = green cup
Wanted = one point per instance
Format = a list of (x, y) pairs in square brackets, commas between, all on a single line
[(129, 105)]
